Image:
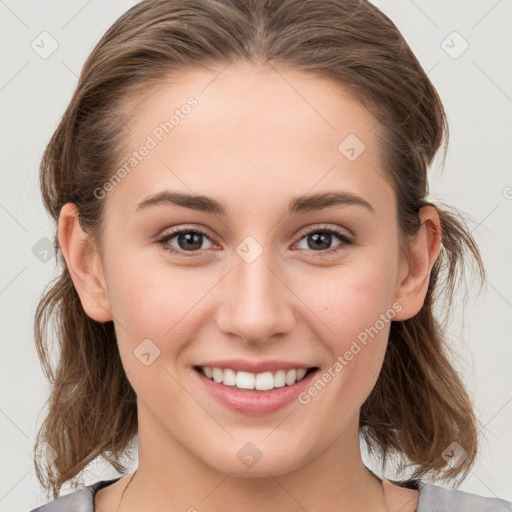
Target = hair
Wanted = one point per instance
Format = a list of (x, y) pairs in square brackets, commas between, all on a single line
[(419, 405)]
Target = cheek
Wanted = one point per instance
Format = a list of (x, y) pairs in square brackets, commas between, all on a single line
[(147, 294), (151, 300), (143, 302), (353, 297), (356, 310), (153, 320)]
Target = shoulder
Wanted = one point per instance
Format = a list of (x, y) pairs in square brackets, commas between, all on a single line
[(81, 500), (434, 498)]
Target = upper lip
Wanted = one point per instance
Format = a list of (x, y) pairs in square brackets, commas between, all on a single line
[(242, 365)]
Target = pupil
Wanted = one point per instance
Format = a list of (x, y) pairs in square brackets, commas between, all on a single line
[(194, 238), (321, 238)]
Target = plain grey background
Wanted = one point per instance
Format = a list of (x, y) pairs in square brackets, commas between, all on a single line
[(466, 48)]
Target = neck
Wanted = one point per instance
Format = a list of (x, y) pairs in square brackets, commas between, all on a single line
[(337, 480)]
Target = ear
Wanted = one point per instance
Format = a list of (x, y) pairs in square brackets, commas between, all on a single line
[(82, 259), (424, 248)]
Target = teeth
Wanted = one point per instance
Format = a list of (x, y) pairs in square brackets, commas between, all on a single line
[(229, 378), (218, 375), (301, 373), (280, 379), (264, 381), (291, 377), (261, 381), (245, 380)]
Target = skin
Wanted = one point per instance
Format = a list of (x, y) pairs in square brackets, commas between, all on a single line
[(256, 139)]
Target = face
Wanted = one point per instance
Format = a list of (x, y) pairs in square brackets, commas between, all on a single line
[(254, 280)]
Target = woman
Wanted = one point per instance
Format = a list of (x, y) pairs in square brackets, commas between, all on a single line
[(287, 142)]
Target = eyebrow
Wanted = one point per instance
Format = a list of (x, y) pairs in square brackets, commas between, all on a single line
[(300, 204)]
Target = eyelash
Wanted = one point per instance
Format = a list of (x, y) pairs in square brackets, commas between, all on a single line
[(345, 240)]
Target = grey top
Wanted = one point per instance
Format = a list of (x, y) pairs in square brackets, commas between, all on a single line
[(433, 498)]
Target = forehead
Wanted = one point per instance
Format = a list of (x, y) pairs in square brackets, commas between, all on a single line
[(253, 130)]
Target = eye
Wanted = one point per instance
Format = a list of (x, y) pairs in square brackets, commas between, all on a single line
[(319, 240), (188, 240)]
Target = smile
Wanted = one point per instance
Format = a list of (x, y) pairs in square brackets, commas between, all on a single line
[(269, 387), (259, 381)]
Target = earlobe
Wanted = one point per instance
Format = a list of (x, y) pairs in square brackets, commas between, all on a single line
[(84, 265), (424, 248)]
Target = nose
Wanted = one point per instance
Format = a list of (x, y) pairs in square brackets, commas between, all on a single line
[(256, 302)]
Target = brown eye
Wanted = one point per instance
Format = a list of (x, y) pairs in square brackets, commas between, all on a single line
[(187, 240), (321, 239)]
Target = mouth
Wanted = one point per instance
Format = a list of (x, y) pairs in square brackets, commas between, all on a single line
[(264, 390), (249, 381)]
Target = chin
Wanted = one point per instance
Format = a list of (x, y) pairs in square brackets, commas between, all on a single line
[(257, 460)]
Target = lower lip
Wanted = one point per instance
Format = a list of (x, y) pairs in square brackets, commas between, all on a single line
[(252, 402)]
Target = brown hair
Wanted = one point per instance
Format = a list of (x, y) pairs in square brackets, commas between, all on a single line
[(419, 405)]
